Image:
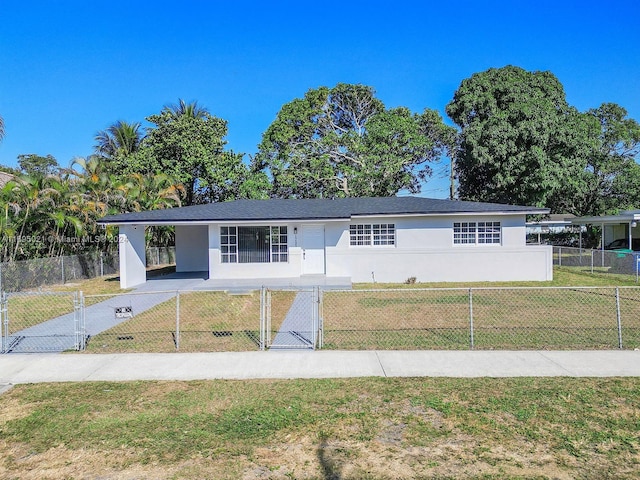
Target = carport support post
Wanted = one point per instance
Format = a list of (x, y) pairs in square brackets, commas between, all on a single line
[(133, 260), (602, 242)]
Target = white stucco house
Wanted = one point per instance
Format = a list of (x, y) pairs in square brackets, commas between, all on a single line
[(310, 241)]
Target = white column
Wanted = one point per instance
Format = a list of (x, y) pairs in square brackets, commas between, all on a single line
[(133, 260)]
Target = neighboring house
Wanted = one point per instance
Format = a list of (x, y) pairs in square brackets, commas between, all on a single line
[(624, 227), (557, 223), (357, 239)]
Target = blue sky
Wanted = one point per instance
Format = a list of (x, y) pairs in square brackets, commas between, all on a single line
[(71, 68)]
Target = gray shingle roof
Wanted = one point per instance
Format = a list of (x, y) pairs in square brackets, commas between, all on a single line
[(314, 209)]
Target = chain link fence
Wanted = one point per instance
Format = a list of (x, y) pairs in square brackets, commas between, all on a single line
[(598, 261), (404, 319), (186, 321), (292, 318), (482, 318), (35, 322), (27, 274)]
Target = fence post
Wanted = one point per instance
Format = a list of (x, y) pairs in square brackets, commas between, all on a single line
[(267, 317), (101, 265), (618, 317), (471, 339), (62, 267), (320, 318), (314, 316), (262, 318), (76, 322), (83, 323), (178, 320), (4, 322), (559, 256), (591, 261)]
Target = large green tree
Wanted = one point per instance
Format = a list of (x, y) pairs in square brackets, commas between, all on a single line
[(187, 143), (37, 165), (519, 138), (342, 141), (609, 179), (118, 143)]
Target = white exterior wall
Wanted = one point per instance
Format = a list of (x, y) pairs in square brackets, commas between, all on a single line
[(133, 260), (192, 248), (424, 249)]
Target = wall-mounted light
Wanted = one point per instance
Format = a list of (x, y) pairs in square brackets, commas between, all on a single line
[(295, 230), (634, 224)]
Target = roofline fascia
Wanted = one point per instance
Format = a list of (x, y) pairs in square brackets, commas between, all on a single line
[(450, 214), (319, 219), (612, 219), (225, 222)]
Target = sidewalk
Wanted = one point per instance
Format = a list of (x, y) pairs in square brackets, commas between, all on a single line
[(35, 368)]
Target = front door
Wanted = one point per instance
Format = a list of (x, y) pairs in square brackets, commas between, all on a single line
[(313, 249)]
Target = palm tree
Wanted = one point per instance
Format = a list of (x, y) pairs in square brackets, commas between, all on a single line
[(120, 138), (1, 128), (183, 108)]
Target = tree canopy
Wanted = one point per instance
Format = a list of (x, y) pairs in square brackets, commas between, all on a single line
[(118, 143), (187, 143), (519, 138), (609, 176), (37, 165), (522, 143), (342, 141)]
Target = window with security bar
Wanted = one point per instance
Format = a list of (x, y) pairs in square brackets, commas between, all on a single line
[(255, 244), (376, 234), (477, 233)]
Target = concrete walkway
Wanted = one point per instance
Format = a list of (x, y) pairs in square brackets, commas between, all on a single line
[(296, 330), (34, 368)]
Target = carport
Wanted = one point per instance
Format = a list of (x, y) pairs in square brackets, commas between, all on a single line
[(613, 227)]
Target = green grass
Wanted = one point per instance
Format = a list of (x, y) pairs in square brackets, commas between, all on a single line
[(210, 321), (562, 277), (503, 318), (348, 428)]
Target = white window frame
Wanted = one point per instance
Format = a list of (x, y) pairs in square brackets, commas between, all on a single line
[(372, 235), (278, 249), (484, 233)]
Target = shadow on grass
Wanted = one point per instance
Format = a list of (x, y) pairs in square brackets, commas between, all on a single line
[(330, 469)]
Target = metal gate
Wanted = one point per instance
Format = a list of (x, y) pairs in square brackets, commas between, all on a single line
[(41, 322), (291, 319)]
